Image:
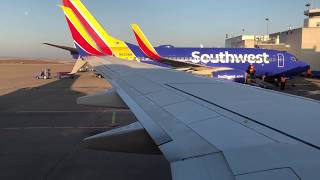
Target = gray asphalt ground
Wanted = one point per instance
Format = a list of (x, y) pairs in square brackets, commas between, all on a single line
[(305, 87), (42, 127)]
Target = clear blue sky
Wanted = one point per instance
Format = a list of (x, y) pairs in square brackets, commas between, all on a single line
[(25, 24)]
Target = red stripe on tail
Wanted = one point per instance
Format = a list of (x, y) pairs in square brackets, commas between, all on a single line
[(102, 45), (81, 41), (145, 49)]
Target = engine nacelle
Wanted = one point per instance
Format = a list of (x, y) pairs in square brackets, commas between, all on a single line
[(232, 75)]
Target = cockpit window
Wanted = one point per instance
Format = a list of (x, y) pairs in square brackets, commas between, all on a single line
[(294, 58)]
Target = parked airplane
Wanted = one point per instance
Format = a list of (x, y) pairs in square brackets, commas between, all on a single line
[(271, 63), (206, 128), (227, 63), (90, 39)]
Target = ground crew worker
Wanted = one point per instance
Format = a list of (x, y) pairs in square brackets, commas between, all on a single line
[(309, 73), (277, 81), (251, 71), (247, 78), (264, 77), (283, 82), (42, 73)]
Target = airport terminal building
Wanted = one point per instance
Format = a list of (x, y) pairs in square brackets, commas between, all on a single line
[(302, 42)]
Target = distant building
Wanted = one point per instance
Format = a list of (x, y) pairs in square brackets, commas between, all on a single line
[(245, 41), (302, 42)]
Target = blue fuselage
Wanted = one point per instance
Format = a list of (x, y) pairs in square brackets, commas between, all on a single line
[(267, 62)]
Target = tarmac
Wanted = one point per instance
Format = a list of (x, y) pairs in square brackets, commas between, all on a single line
[(305, 87), (42, 128)]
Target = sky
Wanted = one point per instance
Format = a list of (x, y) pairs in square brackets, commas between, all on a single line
[(25, 24)]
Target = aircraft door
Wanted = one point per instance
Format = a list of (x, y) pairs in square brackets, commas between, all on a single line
[(280, 60)]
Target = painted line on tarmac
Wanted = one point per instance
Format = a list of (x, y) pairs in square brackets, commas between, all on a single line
[(62, 127), (10, 128), (301, 84), (34, 127), (91, 111)]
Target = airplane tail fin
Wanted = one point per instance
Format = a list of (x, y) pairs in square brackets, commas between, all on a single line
[(83, 41), (144, 43), (89, 35)]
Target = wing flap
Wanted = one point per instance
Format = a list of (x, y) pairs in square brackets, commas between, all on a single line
[(282, 173), (212, 166), (254, 103)]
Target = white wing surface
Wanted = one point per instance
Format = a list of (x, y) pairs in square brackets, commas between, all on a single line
[(219, 130)]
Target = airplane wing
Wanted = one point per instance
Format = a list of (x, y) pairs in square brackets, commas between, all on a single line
[(197, 69), (72, 50), (211, 129)]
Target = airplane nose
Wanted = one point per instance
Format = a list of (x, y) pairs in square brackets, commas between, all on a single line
[(302, 67)]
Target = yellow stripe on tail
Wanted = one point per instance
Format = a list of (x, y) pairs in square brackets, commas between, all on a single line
[(144, 43), (77, 24), (118, 47)]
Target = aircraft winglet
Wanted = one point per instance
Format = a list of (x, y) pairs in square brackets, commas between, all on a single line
[(144, 44)]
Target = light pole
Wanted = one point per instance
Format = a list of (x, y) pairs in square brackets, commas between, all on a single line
[(308, 5)]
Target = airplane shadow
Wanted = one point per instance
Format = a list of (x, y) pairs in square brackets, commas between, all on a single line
[(41, 130)]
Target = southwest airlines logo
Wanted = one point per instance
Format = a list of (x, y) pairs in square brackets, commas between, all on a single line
[(225, 57), (230, 76)]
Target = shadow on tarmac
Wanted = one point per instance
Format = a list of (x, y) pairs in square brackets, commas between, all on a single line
[(305, 87), (41, 130)]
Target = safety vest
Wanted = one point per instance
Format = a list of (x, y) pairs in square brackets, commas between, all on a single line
[(309, 73)]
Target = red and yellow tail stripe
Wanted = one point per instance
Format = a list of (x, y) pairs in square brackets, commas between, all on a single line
[(144, 44), (107, 44), (72, 5), (79, 34)]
